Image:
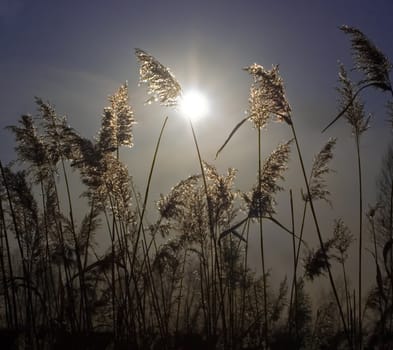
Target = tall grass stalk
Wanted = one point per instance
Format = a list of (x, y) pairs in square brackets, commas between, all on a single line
[(360, 261), (145, 198), (28, 297), (245, 274), (266, 325), (216, 272), (319, 234), (293, 309), (14, 313)]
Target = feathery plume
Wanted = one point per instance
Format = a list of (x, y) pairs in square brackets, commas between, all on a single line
[(316, 263), (167, 256), (29, 145), (261, 201), (318, 188), (369, 59), (117, 122), (354, 108), (161, 83), (56, 131), (220, 191), (125, 116), (170, 206), (267, 96), (342, 239), (107, 140)]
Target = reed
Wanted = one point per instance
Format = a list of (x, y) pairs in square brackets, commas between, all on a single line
[(185, 280)]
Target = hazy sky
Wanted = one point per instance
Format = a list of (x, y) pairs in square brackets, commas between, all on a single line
[(76, 53)]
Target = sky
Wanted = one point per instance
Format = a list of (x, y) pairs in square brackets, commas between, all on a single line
[(77, 53)]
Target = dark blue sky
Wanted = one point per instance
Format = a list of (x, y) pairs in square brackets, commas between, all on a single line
[(76, 53)]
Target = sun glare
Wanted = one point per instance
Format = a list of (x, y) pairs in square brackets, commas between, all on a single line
[(194, 105)]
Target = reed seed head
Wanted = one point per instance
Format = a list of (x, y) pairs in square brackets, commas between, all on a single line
[(318, 187), (162, 85), (261, 201), (117, 122), (267, 96), (369, 59), (355, 112)]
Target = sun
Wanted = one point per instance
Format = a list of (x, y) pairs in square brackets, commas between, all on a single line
[(194, 105)]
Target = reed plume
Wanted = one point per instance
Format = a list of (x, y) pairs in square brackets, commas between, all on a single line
[(117, 121), (317, 182), (267, 96), (161, 83), (342, 240), (221, 194), (369, 59), (354, 114), (261, 201), (170, 206)]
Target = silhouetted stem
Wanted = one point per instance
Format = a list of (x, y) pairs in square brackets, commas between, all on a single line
[(30, 321), (14, 319), (180, 292), (360, 239), (147, 193), (294, 281), (301, 235), (266, 326), (245, 273), (320, 238), (8, 308), (211, 228), (348, 105)]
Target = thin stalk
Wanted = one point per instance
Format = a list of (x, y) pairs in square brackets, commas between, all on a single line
[(391, 237), (212, 236), (360, 239), (354, 317), (84, 319), (70, 310), (205, 304), (208, 295), (121, 229), (68, 192), (142, 214), (14, 319), (112, 281), (298, 252), (155, 301), (8, 309), (319, 234), (266, 326), (243, 312), (294, 282), (26, 275), (48, 264), (237, 319), (147, 195), (73, 231), (391, 250), (347, 297), (349, 104), (162, 287), (180, 293), (140, 230)]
